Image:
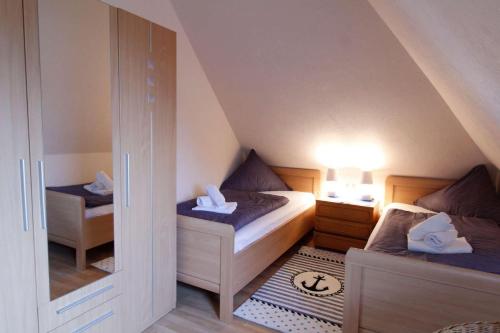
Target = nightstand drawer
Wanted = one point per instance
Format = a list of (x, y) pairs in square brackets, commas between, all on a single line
[(342, 212), (342, 227), (335, 242)]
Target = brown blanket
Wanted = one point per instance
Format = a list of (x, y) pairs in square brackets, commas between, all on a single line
[(482, 234)]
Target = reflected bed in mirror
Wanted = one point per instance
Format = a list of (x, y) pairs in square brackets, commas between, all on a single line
[(75, 58)]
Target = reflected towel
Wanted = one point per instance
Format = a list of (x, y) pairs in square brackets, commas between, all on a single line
[(460, 245), (97, 188), (435, 223), (103, 178)]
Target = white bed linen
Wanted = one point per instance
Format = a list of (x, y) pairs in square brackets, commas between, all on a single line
[(299, 202), (394, 205), (98, 211)]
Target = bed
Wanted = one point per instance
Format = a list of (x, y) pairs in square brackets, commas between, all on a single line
[(387, 293), (214, 257), (70, 223)]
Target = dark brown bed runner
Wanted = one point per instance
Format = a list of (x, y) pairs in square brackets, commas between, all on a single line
[(482, 234), (251, 206)]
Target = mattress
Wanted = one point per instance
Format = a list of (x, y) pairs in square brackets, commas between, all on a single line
[(98, 211), (249, 234)]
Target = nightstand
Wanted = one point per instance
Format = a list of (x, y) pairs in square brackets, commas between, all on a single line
[(340, 225)]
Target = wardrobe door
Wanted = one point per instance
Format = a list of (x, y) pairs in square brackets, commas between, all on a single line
[(135, 125), (163, 55), (17, 277)]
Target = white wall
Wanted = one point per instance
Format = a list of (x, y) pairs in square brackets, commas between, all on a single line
[(206, 144), (71, 169), (294, 76)]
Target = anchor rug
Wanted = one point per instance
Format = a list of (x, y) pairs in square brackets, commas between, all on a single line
[(305, 295)]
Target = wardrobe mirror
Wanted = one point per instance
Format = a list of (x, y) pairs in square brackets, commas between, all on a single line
[(75, 62)]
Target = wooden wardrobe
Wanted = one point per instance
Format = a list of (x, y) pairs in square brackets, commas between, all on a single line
[(143, 85)]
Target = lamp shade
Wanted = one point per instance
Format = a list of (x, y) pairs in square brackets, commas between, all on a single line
[(367, 177), (331, 175)]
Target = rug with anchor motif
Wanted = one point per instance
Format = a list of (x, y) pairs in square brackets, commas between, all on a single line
[(305, 295)]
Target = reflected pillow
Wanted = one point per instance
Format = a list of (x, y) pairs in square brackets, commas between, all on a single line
[(472, 195), (254, 175)]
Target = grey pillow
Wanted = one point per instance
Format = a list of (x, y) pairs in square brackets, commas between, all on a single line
[(254, 175), (472, 195)]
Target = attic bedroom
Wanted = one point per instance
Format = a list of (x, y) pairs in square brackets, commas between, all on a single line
[(250, 166)]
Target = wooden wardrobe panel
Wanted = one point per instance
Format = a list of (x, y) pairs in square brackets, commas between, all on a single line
[(135, 125), (17, 280), (163, 108)]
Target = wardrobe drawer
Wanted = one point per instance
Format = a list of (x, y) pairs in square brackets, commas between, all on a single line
[(74, 304), (342, 227), (103, 319)]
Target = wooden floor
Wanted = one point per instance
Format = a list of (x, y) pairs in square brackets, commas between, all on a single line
[(197, 310), (64, 277)]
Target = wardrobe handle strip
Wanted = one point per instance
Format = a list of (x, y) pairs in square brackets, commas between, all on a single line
[(94, 322), (41, 193), (24, 198), (84, 299), (127, 180)]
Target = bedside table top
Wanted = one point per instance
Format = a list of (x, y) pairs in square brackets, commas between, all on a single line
[(348, 201)]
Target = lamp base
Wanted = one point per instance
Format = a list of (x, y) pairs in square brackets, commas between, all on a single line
[(367, 197)]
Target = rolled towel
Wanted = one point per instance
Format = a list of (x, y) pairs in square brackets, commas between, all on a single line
[(97, 188), (216, 196), (204, 201), (104, 179), (459, 245), (441, 239), (227, 208), (435, 223)]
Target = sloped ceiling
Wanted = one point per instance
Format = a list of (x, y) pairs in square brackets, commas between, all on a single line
[(457, 46), (295, 75)]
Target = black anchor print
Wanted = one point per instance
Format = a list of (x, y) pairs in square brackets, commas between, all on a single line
[(314, 287)]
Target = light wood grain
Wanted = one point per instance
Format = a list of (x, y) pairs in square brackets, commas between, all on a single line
[(17, 279), (302, 180), (67, 225), (163, 54), (47, 309), (199, 261), (105, 318), (417, 296), (135, 121), (408, 189)]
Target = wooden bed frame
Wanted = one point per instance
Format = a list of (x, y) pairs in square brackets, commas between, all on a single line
[(386, 293), (67, 225), (205, 250)]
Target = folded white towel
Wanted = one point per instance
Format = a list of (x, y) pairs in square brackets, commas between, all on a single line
[(460, 245), (228, 208), (441, 239), (97, 188), (104, 179), (204, 201), (214, 194), (435, 223)]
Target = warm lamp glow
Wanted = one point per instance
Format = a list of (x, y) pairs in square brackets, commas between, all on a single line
[(363, 156)]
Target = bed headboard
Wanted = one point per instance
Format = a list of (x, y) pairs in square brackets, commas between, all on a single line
[(408, 189), (304, 180)]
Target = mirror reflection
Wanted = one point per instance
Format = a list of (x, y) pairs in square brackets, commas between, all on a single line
[(77, 133)]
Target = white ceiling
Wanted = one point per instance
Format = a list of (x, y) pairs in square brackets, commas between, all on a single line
[(296, 75)]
